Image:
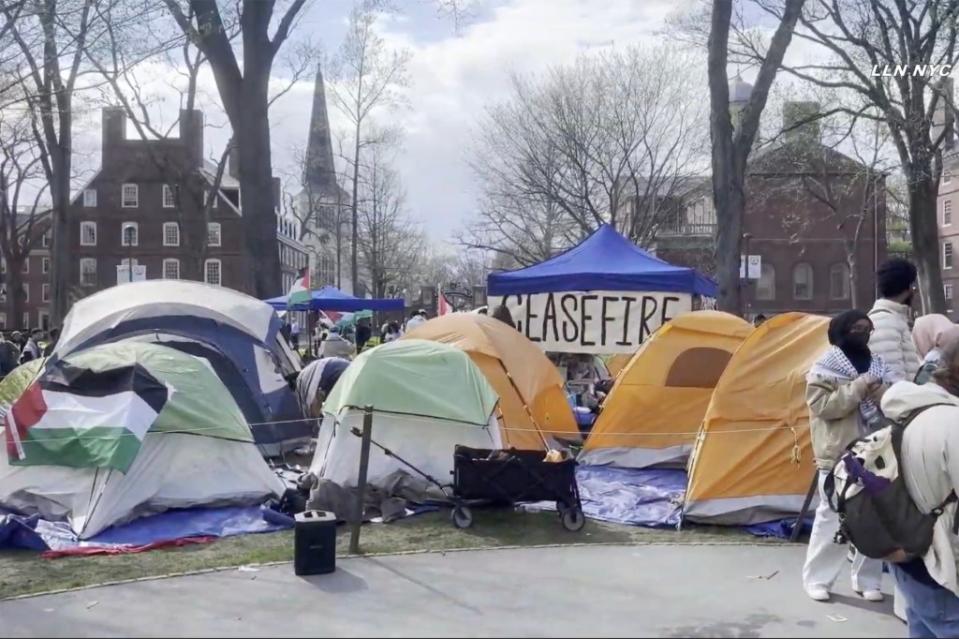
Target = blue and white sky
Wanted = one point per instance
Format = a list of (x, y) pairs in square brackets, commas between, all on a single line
[(455, 74)]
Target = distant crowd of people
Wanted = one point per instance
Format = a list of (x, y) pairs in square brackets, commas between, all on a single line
[(21, 347)]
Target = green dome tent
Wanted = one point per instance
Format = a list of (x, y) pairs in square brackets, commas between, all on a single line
[(426, 396), (126, 429)]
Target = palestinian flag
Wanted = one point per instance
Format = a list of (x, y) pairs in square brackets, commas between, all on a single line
[(300, 291), (83, 418)]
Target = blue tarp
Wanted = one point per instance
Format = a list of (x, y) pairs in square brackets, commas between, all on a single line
[(33, 533), (649, 497), (330, 298), (605, 261)]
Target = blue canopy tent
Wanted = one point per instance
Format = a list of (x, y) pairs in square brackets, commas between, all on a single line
[(330, 298), (604, 261)]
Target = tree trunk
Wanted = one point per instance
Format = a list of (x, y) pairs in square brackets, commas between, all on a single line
[(354, 220), (852, 262), (61, 262), (925, 239), (15, 301), (256, 187)]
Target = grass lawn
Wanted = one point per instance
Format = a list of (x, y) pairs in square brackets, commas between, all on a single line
[(23, 572)]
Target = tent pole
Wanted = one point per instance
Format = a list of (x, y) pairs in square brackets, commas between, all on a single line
[(797, 527), (529, 413)]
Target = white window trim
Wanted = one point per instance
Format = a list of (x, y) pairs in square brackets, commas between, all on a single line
[(26, 291), (206, 266), (168, 190), (952, 254), (136, 191), (219, 234), (88, 260), (812, 290), (45, 265), (89, 198), (45, 242), (171, 260), (123, 234), (944, 203), (947, 291), (88, 224), (167, 225), (45, 293)]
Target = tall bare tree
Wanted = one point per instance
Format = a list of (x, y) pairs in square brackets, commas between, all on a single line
[(608, 139), (388, 240), (731, 146), (46, 40), (22, 187), (245, 94), (861, 39), (365, 75)]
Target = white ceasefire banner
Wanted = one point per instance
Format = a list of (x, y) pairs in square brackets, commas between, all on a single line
[(603, 322)]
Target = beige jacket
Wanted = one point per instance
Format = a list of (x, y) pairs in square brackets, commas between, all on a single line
[(833, 416), (930, 465)]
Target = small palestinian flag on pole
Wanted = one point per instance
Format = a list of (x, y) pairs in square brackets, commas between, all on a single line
[(83, 418), (300, 291)]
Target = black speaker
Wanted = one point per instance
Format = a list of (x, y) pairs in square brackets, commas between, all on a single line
[(314, 543)]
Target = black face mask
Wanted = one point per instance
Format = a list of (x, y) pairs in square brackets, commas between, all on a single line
[(855, 341)]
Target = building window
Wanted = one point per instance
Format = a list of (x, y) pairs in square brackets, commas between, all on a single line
[(171, 269), (947, 212), (946, 178), (26, 265), (89, 198), (88, 233), (802, 282), (947, 255), (947, 290), (130, 196), (839, 282), (45, 292), (26, 293), (3, 265), (130, 234), (168, 201), (766, 286), (213, 236), (45, 243), (88, 271), (45, 265), (212, 272), (171, 234)]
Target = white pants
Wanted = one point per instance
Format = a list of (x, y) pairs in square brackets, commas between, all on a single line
[(825, 558)]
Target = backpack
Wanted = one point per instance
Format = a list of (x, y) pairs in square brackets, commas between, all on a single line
[(868, 491)]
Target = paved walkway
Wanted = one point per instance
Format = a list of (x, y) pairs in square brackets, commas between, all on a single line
[(666, 591)]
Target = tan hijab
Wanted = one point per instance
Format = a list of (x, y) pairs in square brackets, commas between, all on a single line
[(932, 331)]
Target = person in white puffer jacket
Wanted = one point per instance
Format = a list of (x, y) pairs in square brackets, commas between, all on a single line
[(891, 316)]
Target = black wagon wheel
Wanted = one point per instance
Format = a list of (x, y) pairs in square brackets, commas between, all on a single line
[(462, 517), (572, 519)]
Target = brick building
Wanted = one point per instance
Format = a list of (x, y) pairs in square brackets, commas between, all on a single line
[(146, 205), (808, 210), (35, 279), (947, 215)]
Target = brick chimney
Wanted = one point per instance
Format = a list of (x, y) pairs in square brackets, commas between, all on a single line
[(113, 129), (191, 133), (796, 112)]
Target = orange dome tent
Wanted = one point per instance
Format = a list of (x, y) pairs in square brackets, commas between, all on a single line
[(753, 461), (656, 407), (532, 400)]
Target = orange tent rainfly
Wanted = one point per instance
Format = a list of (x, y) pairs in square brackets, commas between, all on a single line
[(656, 407), (753, 461), (533, 404)]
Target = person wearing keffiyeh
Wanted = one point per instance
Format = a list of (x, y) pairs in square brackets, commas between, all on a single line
[(843, 390)]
